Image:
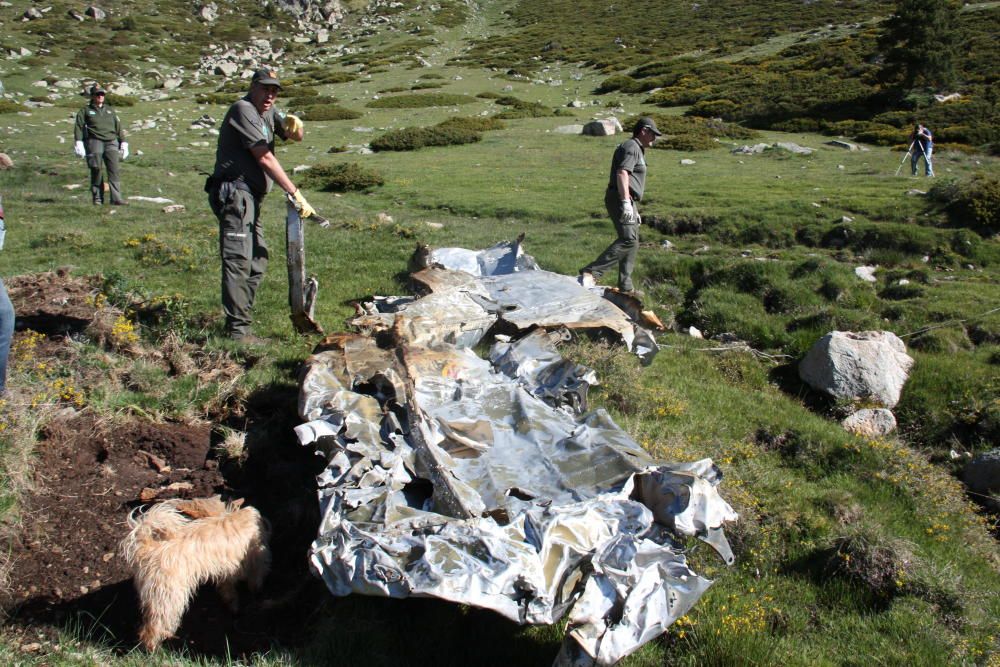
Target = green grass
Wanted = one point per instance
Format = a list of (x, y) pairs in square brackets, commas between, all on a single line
[(761, 249)]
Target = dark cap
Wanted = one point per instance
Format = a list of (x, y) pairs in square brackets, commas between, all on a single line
[(646, 121), (266, 77), (97, 88)]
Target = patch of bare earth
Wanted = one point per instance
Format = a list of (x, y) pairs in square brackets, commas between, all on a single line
[(89, 472)]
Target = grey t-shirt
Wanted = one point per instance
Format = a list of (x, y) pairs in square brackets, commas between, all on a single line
[(242, 129), (629, 156)]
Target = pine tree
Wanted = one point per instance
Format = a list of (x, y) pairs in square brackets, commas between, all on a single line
[(920, 43)]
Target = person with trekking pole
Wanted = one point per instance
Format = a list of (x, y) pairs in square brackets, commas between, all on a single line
[(922, 145)]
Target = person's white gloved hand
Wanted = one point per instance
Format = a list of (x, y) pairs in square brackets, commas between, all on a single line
[(79, 149), (301, 205), (123, 147), (628, 216)]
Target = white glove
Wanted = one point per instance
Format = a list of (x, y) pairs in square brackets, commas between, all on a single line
[(79, 149), (123, 147), (628, 216)]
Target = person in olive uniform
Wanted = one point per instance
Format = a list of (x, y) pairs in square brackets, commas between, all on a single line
[(245, 168), (625, 189), (99, 137)]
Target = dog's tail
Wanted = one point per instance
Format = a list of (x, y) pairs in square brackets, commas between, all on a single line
[(155, 524)]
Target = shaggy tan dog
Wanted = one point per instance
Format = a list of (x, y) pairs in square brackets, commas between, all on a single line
[(178, 545)]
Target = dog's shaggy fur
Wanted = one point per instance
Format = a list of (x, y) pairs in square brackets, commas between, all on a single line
[(178, 545)]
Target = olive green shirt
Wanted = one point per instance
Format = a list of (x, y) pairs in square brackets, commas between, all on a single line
[(244, 128), (631, 157), (93, 122)]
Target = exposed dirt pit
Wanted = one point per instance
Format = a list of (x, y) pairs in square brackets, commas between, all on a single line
[(64, 570)]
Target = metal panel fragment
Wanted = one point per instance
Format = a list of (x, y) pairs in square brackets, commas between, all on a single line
[(486, 481)]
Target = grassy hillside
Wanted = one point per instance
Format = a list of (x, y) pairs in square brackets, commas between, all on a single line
[(848, 550)]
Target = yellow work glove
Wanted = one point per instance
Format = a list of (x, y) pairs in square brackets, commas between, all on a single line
[(301, 205), (293, 125)]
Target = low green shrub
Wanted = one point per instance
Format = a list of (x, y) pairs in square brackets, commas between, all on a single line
[(420, 100), (426, 85), (866, 557), (973, 203), (216, 98), (304, 101), (613, 83), (472, 123), (413, 138), (328, 112), (342, 177), (523, 109), (7, 106), (121, 100), (724, 109)]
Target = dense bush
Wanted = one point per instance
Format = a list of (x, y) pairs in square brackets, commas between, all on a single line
[(216, 98), (412, 138), (328, 112), (6, 106), (121, 100), (341, 177), (474, 123), (972, 203), (523, 109), (420, 100)]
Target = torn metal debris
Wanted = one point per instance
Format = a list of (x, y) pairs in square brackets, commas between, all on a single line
[(486, 481)]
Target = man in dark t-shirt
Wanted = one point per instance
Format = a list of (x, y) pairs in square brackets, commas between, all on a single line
[(625, 189), (245, 169)]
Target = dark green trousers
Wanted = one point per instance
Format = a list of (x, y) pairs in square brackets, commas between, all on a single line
[(243, 252), (623, 249), (104, 152)]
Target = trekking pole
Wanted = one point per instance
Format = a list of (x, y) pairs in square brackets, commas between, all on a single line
[(908, 151)]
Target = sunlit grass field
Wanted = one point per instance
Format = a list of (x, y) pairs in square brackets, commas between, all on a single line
[(762, 246)]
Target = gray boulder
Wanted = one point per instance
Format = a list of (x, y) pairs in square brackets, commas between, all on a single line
[(96, 13), (605, 127), (209, 12), (32, 13), (982, 477), (845, 145), (870, 423), (226, 68), (5, 162), (869, 365), (793, 148)]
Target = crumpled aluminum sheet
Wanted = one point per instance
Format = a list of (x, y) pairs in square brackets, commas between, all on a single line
[(486, 482)]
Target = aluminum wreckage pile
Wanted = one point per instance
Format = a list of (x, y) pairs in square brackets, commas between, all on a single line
[(486, 482)]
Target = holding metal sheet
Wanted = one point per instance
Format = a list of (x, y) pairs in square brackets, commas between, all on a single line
[(485, 482)]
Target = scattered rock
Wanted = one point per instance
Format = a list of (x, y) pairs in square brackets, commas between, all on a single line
[(951, 97), (226, 68), (173, 208), (915, 193), (435, 225), (751, 150), (73, 14), (840, 143), (793, 148), (605, 127), (209, 12), (96, 13), (32, 13), (384, 218), (666, 245), (687, 161), (870, 423), (575, 104), (694, 332), (171, 83), (866, 365), (866, 273), (5, 162)]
